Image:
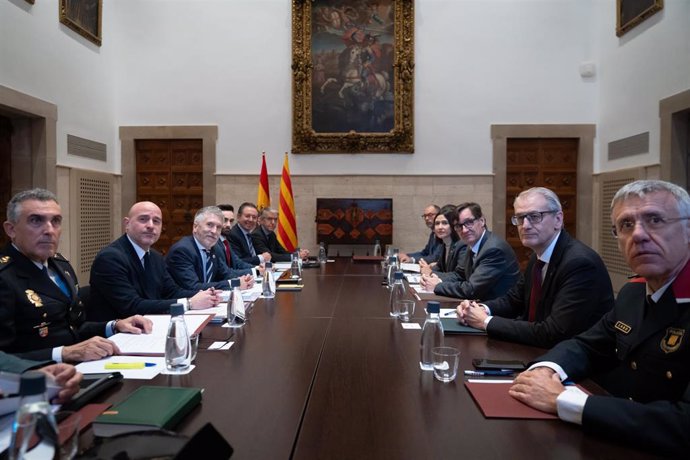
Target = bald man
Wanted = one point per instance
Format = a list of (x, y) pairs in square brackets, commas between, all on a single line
[(128, 276)]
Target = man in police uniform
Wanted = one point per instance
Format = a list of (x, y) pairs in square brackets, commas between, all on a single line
[(639, 351), (41, 315)]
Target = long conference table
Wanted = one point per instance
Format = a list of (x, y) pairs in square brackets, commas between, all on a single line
[(326, 373)]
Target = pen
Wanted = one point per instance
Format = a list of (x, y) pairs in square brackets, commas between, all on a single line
[(139, 365), (501, 372), (450, 313)]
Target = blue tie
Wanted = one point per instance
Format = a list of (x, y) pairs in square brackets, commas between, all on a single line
[(57, 279), (209, 266), (250, 244)]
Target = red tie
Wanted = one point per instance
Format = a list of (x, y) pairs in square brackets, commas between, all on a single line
[(535, 293), (228, 257)]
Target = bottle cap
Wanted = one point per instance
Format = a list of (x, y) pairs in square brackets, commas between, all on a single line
[(268, 264), (391, 259), (176, 309), (433, 307), (235, 282), (398, 275), (32, 383)]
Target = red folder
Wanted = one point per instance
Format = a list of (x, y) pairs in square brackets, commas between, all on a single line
[(495, 402)]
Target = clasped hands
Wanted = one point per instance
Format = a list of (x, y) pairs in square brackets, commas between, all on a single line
[(471, 313)]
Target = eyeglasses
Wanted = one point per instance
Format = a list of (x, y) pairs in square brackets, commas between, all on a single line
[(650, 222), (431, 215), (533, 217), (467, 224)]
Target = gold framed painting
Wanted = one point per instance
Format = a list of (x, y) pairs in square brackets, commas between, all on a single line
[(352, 76), (83, 17), (630, 13)]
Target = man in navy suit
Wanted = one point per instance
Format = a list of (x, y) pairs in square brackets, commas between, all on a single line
[(638, 351), (265, 239), (241, 236), (41, 314), (572, 292), (128, 276), (432, 250), (231, 259), (196, 261), (490, 267)]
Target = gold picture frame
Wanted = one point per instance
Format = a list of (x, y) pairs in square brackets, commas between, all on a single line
[(352, 76), (630, 13), (84, 17)]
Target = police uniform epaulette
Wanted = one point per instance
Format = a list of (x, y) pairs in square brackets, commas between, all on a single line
[(5, 261)]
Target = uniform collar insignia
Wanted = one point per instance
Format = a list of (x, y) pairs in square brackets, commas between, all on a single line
[(4, 259), (34, 298), (624, 328), (672, 340)]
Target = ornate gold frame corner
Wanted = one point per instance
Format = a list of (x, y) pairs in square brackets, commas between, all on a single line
[(400, 139), (71, 18), (630, 13)]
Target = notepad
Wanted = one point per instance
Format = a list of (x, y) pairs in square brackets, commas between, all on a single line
[(147, 408)]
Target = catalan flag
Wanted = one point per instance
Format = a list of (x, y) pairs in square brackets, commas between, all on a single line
[(263, 199), (287, 225)]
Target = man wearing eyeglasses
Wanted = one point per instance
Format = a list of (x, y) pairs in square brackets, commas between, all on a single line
[(265, 239), (638, 351), (432, 250), (490, 267), (564, 290)]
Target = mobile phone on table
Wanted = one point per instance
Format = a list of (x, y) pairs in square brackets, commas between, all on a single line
[(485, 364)]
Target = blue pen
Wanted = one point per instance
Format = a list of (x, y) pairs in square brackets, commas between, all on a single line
[(498, 372)]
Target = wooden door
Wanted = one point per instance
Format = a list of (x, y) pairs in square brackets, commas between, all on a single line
[(5, 170), (169, 173), (550, 163)]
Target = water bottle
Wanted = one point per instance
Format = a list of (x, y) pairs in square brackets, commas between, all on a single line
[(296, 265), (432, 335), (322, 253), (397, 293), (177, 346), (236, 313), (34, 409), (268, 284), (392, 268), (377, 248)]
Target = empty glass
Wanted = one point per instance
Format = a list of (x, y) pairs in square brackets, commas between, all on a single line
[(405, 309), (445, 362)]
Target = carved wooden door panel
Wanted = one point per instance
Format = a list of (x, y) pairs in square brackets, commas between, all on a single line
[(550, 163), (5, 170), (170, 174)]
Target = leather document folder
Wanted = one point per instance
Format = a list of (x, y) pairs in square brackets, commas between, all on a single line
[(494, 401), (147, 408)]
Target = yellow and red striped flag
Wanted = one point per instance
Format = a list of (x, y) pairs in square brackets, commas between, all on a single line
[(263, 199), (287, 225)]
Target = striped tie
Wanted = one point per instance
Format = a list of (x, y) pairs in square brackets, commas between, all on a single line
[(209, 266)]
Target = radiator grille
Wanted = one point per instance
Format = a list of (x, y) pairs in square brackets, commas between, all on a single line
[(94, 206), (607, 243)]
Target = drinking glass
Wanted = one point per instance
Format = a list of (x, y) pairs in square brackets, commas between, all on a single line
[(445, 362), (194, 344), (405, 309)]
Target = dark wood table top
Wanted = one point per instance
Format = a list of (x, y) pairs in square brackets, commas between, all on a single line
[(327, 373)]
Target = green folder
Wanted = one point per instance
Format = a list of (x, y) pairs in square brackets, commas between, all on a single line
[(451, 326), (147, 408)]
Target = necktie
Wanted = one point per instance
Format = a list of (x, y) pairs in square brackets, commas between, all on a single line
[(149, 282), (535, 293), (470, 263), (57, 279), (208, 272), (249, 243), (228, 256)]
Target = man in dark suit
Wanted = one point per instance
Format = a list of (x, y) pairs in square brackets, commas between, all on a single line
[(241, 236), (638, 351), (231, 259), (490, 267), (564, 291), (265, 239), (196, 262), (41, 315), (129, 277), (433, 248)]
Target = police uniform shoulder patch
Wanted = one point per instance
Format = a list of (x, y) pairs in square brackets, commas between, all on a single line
[(672, 340), (624, 328), (5, 261)]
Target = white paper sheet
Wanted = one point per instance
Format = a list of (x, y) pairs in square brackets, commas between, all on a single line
[(410, 267), (146, 373), (154, 343)]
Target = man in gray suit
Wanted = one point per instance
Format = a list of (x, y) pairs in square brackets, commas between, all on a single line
[(490, 267)]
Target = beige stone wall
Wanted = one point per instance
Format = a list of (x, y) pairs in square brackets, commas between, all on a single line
[(410, 195)]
